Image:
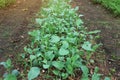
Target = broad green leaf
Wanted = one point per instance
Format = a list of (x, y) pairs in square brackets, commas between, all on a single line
[(85, 70), (61, 58), (32, 57), (33, 73), (63, 51), (74, 59), (39, 21), (58, 64), (107, 78), (28, 50), (56, 72), (64, 75), (55, 39), (10, 77), (78, 22), (49, 55), (87, 46), (15, 72), (46, 66), (65, 44), (96, 76), (69, 69), (76, 8), (35, 34), (3, 64)]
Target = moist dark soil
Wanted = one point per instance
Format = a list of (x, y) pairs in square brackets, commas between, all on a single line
[(15, 21), (97, 17)]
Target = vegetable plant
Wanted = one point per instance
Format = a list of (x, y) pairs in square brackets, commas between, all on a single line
[(61, 42), (10, 74)]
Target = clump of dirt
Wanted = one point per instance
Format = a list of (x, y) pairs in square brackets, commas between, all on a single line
[(15, 21), (98, 18)]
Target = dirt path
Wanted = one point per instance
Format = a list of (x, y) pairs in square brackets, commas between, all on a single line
[(14, 24), (96, 17)]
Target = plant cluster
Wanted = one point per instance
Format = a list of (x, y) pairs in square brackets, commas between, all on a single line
[(112, 5), (61, 45), (10, 74), (4, 3)]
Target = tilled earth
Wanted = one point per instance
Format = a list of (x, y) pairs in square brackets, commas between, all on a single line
[(97, 17), (15, 21)]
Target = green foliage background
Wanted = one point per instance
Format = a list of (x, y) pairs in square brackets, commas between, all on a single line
[(112, 5), (4, 3)]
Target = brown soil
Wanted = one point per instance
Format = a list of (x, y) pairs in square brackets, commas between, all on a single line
[(15, 21), (98, 18)]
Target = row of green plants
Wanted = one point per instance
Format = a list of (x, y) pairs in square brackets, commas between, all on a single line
[(4, 3), (112, 5), (60, 43), (60, 46)]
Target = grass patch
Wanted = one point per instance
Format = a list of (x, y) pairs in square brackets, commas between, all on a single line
[(4, 3), (112, 5)]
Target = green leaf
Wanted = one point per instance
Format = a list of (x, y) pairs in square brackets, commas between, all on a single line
[(85, 71), (15, 72), (64, 75), (32, 57), (58, 64), (107, 78), (78, 22), (94, 32), (3, 64), (76, 8), (33, 73), (9, 63), (56, 72), (10, 77), (63, 51), (96, 76), (35, 34), (61, 58), (69, 68), (55, 39), (75, 60), (65, 44), (87, 46), (45, 66), (39, 21), (49, 55)]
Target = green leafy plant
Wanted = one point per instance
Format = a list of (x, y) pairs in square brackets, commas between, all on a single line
[(33, 73), (61, 45), (10, 74)]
